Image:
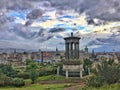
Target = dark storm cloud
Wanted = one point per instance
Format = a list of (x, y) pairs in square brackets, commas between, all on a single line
[(21, 31), (15, 4), (68, 5), (24, 32), (92, 21), (41, 32), (49, 37), (38, 11), (45, 37), (5, 19), (5, 22), (29, 22), (102, 9), (34, 14), (54, 30)]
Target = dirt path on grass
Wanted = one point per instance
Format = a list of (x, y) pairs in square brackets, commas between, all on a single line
[(61, 81), (56, 82), (74, 87)]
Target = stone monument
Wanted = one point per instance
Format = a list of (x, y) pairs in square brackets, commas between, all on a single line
[(72, 62)]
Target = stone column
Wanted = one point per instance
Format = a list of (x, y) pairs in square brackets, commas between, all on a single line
[(67, 50), (80, 73), (81, 69), (58, 70), (66, 73), (77, 50), (71, 50), (68, 56)]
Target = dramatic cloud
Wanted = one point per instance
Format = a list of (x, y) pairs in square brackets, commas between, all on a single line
[(106, 10), (34, 14), (48, 21), (29, 22), (15, 4), (54, 30)]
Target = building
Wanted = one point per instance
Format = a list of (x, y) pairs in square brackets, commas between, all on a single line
[(18, 59)]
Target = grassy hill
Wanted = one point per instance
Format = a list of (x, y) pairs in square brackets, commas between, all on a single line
[(105, 87), (37, 87)]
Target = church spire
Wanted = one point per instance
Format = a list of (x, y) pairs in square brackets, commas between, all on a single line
[(71, 34), (93, 53), (56, 49), (15, 50), (86, 49)]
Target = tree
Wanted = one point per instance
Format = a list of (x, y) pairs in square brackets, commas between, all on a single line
[(7, 70), (33, 75), (87, 64), (32, 67), (30, 64)]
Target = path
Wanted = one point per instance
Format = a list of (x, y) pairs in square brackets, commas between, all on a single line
[(61, 81), (75, 87)]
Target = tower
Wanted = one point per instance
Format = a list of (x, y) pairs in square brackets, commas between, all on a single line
[(93, 53), (56, 49), (72, 47), (115, 57), (15, 50), (86, 49)]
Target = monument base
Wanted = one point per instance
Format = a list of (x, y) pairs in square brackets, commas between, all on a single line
[(72, 66)]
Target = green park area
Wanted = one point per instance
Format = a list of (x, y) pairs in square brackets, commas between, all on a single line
[(37, 87), (61, 87), (36, 76), (105, 87)]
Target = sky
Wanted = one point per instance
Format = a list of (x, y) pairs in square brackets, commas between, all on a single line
[(42, 24)]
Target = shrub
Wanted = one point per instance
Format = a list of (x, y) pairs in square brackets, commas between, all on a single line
[(95, 81), (46, 73), (110, 73), (18, 82), (23, 75), (6, 81), (8, 70)]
